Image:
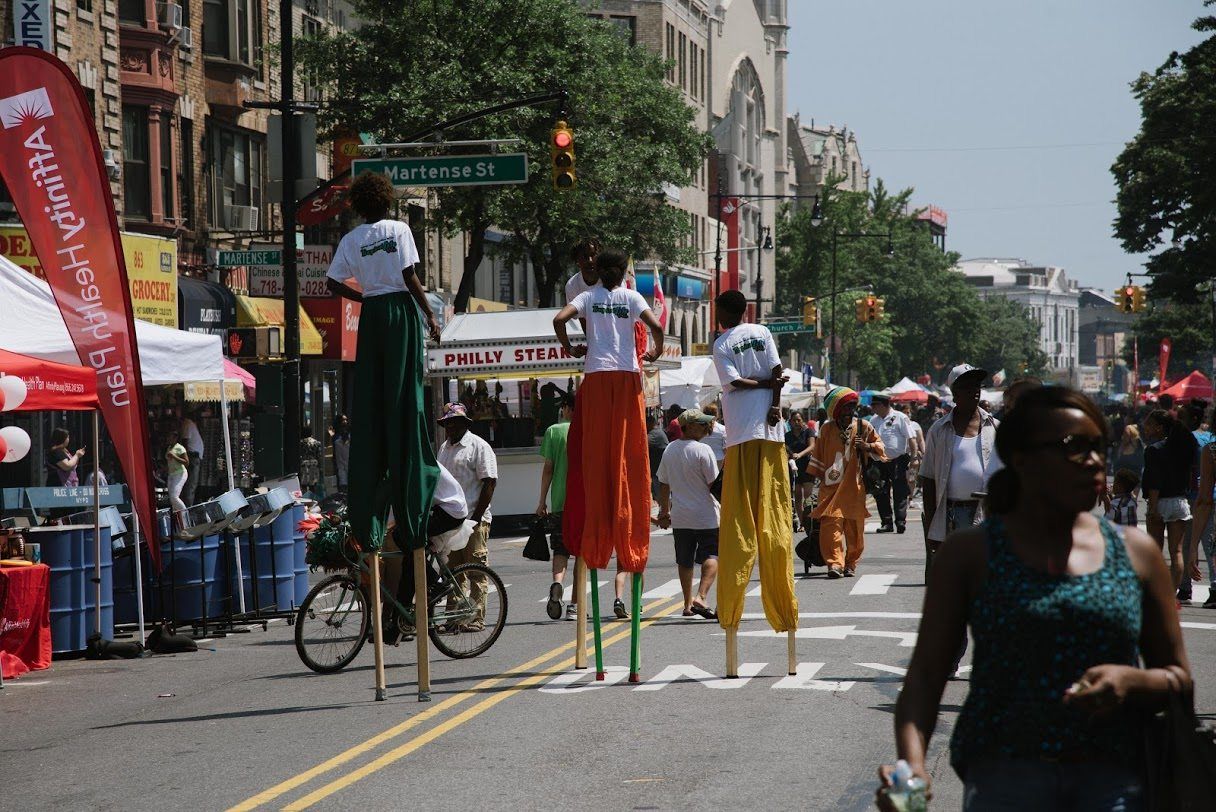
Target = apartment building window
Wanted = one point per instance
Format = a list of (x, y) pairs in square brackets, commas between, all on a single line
[(692, 70), (312, 91), (168, 209), (703, 85), (682, 61), (133, 12), (136, 178), (84, 5), (237, 173), (671, 52), (626, 26), (232, 30)]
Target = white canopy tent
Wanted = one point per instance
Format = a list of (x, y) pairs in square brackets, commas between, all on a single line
[(695, 383), (32, 326), (905, 384)]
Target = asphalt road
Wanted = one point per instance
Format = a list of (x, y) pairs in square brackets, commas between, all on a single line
[(243, 724)]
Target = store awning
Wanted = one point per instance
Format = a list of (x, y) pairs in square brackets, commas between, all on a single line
[(205, 307), (239, 386), (260, 311)]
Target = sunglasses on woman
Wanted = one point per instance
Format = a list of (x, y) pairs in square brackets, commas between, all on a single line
[(1077, 448)]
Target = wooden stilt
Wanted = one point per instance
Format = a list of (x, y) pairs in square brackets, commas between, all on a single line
[(732, 653), (377, 632), (422, 626), (580, 606), (792, 636)]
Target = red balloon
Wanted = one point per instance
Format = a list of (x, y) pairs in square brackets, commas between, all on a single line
[(3, 448)]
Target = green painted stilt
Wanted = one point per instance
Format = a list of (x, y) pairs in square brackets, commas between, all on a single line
[(635, 643), (595, 619)]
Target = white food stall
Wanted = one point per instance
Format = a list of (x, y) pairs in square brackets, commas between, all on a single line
[(509, 369)]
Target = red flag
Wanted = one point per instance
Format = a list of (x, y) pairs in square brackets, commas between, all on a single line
[(1163, 361), (660, 303), (50, 161)]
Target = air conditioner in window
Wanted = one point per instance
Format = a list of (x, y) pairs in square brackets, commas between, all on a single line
[(185, 38), (241, 218), (113, 167), (169, 15)]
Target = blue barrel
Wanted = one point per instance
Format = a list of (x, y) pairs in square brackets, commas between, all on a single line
[(194, 571), (299, 551), (274, 561), (124, 588), (68, 551)]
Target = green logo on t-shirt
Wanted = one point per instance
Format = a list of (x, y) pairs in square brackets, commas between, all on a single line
[(388, 245), (620, 311), (756, 344)]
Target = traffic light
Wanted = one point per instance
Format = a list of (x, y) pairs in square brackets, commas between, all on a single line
[(1138, 303), (561, 153), (862, 311), (1125, 298), (877, 308), (810, 311)]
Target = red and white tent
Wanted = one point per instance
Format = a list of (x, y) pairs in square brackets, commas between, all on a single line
[(1195, 386), (51, 386)]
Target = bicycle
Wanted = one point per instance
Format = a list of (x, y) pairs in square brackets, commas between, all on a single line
[(332, 623)]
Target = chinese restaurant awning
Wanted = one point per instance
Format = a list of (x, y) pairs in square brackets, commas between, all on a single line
[(259, 311)]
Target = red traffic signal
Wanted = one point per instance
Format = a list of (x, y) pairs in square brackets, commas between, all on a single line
[(561, 152)]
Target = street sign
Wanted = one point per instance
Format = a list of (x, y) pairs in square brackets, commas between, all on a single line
[(448, 170), (787, 327), (233, 259)]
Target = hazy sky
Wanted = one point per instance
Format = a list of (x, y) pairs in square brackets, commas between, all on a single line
[(1008, 115)]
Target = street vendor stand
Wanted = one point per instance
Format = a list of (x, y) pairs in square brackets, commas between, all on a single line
[(499, 361)]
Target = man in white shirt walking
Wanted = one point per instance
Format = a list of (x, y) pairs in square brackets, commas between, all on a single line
[(472, 462), (899, 440), (686, 474), (192, 439)]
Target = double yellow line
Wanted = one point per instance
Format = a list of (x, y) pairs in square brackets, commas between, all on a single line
[(658, 609)]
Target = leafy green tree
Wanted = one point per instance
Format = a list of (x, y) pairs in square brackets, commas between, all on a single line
[(933, 320), (1189, 328), (415, 63), (1166, 174)]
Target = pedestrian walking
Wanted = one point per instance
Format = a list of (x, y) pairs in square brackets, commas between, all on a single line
[(1129, 452), (673, 422), (340, 439), (900, 444), (755, 514), (656, 443), (609, 483), (798, 442), (178, 473), (553, 501), (472, 463), (1122, 508), (392, 463), (716, 437), (192, 439), (844, 445), (686, 504), (959, 459), (1203, 523), (1168, 466), (1063, 607)]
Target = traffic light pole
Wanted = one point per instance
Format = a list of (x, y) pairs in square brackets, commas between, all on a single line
[(291, 280)]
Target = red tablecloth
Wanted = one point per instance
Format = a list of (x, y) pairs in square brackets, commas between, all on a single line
[(25, 620)]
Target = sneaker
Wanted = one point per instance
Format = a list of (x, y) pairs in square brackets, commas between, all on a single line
[(850, 572), (886, 528), (618, 609), (834, 573), (571, 611), (900, 528), (1184, 594), (1210, 603), (554, 606)]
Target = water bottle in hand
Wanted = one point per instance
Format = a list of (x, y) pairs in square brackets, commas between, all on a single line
[(907, 791)]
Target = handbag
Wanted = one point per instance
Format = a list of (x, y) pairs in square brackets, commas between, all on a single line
[(1180, 755), (873, 474), (537, 548)]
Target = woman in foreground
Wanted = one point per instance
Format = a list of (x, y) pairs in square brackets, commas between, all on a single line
[(1062, 606)]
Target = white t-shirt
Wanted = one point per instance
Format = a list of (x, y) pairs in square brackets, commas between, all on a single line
[(895, 430), (469, 461), (576, 285), (190, 433), (966, 468), (716, 440), (688, 468), (747, 351), (375, 254), (610, 315)]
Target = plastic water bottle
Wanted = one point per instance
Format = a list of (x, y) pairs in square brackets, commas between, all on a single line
[(907, 791)]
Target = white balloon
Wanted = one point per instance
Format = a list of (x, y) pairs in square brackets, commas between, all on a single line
[(18, 442), (12, 392)]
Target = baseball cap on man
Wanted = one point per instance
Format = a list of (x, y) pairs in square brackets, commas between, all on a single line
[(453, 411), (964, 369), (694, 416)]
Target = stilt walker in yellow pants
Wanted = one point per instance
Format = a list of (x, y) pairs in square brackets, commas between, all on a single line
[(756, 516)]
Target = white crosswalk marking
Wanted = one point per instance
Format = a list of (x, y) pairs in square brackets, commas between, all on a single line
[(873, 584), (568, 592), (691, 673), (805, 679), (668, 589), (890, 669), (754, 592)]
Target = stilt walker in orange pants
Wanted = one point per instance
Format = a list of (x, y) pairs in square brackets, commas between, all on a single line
[(838, 457), (607, 440), (756, 518)]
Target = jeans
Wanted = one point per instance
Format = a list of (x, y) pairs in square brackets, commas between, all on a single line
[(1207, 543), (892, 496), (192, 470), (997, 785)]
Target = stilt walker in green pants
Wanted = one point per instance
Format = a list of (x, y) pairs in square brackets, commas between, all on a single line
[(392, 464)]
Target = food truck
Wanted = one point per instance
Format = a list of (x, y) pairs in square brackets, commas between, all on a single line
[(509, 371)]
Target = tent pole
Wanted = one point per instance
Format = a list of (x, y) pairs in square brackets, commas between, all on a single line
[(139, 577), (96, 522), (236, 544)]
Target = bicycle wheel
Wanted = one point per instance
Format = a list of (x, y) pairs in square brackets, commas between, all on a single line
[(459, 629), (332, 624)]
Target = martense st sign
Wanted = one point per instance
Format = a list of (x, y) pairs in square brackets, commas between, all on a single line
[(234, 259), (448, 170)]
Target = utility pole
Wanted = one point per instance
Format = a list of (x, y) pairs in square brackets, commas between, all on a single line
[(292, 392)]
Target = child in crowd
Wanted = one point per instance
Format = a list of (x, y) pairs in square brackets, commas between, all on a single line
[(1122, 508)]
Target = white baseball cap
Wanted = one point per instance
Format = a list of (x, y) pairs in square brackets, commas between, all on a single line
[(964, 369)]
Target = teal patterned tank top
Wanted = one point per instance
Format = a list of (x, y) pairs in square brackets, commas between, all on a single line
[(1035, 635)]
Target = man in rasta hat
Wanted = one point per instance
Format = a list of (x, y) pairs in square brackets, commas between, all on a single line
[(840, 452)]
